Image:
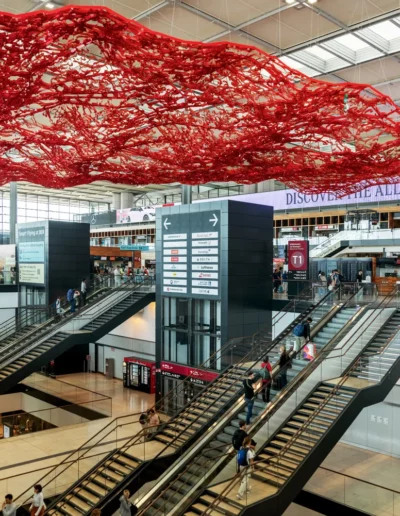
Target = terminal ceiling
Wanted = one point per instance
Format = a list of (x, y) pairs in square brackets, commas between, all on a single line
[(337, 41)]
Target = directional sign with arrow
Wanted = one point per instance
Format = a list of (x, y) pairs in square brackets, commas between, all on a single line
[(214, 219), (166, 223)]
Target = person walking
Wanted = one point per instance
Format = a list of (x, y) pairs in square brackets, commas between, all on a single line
[(284, 361), (248, 386), (266, 384), (125, 504), (9, 508), (37, 507), (59, 309), (71, 299), (323, 282), (276, 277), (117, 277), (246, 466), (239, 436), (360, 276), (154, 422), (302, 334), (83, 291)]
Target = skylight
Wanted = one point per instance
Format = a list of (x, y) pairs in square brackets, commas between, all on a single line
[(386, 30), (352, 42), (320, 52), (292, 63)]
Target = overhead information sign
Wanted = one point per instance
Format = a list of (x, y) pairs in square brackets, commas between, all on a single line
[(190, 254)]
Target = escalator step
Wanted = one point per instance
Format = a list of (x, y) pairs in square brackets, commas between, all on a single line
[(95, 489), (78, 503), (122, 470), (87, 495), (68, 509)]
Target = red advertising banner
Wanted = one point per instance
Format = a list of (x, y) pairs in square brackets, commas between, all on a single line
[(298, 260), (181, 371)]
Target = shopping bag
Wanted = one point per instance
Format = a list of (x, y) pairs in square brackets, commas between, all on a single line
[(309, 351)]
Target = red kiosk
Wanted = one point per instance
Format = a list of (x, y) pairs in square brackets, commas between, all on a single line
[(139, 374)]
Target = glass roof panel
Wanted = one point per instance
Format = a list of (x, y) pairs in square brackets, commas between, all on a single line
[(386, 30), (352, 42), (320, 52)]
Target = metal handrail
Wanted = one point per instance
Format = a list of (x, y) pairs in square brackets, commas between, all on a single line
[(37, 328), (194, 401), (14, 354), (305, 425)]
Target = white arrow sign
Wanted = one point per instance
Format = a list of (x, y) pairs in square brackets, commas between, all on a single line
[(166, 223), (214, 219)]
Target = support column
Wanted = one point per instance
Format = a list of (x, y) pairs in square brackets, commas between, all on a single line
[(186, 194), (13, 211)]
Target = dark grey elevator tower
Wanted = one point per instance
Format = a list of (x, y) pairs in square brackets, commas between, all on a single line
[(214, 281)]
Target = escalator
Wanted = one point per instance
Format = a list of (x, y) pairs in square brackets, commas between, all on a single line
[(209, 455), (290, 456), (173, 437), (23, 356)]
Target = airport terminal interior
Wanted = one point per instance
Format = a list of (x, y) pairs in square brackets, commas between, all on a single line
[(200, 257)]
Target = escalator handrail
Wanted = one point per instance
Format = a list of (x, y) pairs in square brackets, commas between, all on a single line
[(61, 323), (309, 421), (31, 312)]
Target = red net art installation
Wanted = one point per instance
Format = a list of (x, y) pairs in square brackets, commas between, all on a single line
[(87, 95)]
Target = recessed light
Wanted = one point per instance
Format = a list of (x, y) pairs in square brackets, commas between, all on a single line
[(290, 1), (50, 5), (312, 1)]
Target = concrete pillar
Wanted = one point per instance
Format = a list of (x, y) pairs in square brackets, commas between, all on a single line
[(13, 211), (126, 200), (116, 202), (186, 194)]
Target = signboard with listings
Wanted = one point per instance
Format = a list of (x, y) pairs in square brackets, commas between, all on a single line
[(179, 372), (190, 254), (298, 260)]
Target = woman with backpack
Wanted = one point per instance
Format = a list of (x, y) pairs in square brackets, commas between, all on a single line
[(245, 459), (266, 379)]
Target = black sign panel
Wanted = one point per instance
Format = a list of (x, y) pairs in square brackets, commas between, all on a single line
[(191, 254)]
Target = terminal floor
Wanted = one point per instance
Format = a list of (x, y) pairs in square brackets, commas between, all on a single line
[(26, 455), (363, 466)]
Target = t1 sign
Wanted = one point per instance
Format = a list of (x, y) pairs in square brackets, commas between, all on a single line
[(298, 260)]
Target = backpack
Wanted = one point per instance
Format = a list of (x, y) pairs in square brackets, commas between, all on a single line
[(298, 330), (143, 419), (237, 439), (70, 295), (264, 373), (242, 457)]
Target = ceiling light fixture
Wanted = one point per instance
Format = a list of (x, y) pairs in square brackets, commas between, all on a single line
[(312, 1), (290, 1), (50, 5)]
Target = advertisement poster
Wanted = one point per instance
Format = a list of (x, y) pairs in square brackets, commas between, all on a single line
[(298, 260), (136, 214), (31, 273), (31, 251), (7, 263)]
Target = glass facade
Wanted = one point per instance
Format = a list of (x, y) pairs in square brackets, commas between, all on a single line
[(191, 331), (31, 208)]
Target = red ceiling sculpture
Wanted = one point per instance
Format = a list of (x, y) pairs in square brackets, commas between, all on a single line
[(87, 95)]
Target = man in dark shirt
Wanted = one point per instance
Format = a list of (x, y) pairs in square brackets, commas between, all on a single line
[(248, 386)]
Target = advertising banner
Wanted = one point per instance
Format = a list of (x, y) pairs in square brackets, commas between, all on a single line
[(31, 273), (298, 260), (292, 200), (31, 254), (182, 371)]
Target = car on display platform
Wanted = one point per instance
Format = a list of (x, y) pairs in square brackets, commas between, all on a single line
[(141, 214)]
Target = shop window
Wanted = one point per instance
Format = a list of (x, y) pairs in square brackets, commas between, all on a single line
[(278, 223), (341, 219), (285, 223), (335, 219), (320, 220), (305, 222), (312, 221), (298, 222), (291, 222), (327, 220), (384, 217)]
